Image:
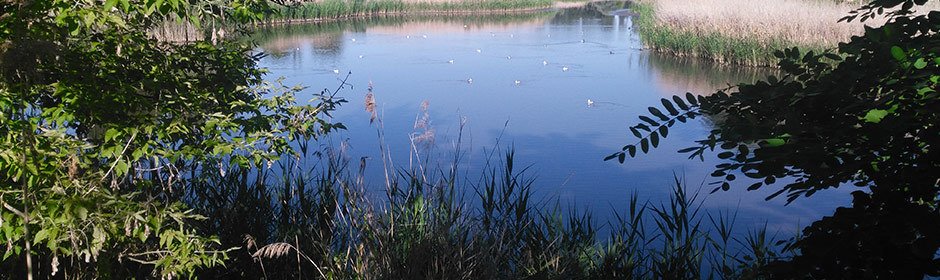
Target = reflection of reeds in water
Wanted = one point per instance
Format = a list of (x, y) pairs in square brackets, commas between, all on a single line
[(339, 9), (370, 105), (326, 35), (678, 75)]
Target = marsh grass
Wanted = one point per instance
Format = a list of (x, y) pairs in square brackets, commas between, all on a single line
[(318, 217), (339, 9), (745, 32)]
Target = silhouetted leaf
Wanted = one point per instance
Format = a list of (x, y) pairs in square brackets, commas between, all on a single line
[(691, 99), (612, 156), (770, 180), (658, 114), (679, 102), (654, 139), (668, 105), (648, 120)]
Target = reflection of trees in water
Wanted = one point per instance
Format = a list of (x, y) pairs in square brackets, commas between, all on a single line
[(678, 75), (594, 12), (326, 37)]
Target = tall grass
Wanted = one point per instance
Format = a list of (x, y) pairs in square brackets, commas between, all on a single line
[(338, 9), (741, 31), (316, 217)]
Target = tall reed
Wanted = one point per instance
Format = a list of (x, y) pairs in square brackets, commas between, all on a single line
[(741, 31), (303, 220), (339, 9)]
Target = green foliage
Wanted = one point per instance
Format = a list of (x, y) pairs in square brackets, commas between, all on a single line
[(99, 122), (295, 221), (866, 115), (336, 9)]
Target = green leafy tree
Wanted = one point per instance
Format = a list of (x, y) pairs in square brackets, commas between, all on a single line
[(102, 124), (865, 115)]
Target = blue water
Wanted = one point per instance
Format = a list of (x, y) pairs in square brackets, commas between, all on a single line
[(532, 77)]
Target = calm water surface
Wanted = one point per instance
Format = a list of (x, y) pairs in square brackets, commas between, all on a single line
[(532, 76)]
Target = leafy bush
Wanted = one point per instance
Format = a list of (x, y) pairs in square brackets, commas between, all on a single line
[(100, 124), (865, 115)]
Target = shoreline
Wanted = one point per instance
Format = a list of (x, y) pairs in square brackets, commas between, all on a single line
[(687, 39), (280, 22), (334, 10)]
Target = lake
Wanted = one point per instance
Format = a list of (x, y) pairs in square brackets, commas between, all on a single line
[(523, 81)]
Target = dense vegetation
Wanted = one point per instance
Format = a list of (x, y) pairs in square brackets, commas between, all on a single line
[(337, 9), (864, 116), (103, 127), (738, 32), (126, 156)]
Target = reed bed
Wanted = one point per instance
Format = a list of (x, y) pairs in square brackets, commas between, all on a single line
[(742, 31), (320, 217), (325, 225), (339, 9)]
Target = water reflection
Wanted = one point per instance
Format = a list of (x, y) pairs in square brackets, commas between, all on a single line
[(532, 76)]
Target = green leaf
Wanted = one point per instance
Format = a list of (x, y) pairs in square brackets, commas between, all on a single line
[(110, 134), (774, 142), (875, 115), (898, 53), (920, 63), (81, 212), (40, 236), (109, 4)]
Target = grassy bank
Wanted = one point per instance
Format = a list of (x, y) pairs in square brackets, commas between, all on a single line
[(742, 32), (338, 9)]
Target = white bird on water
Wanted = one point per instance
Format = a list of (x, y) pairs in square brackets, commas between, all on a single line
[(544, 62), (425, 36), (408, 36), (353, 39), (335, 71), (470, 80), (590, 102), (360, 56), (479, 51), (517, 82), (450, 61), (565, 68), (508, 57)]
